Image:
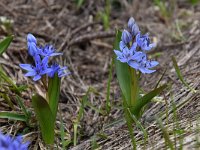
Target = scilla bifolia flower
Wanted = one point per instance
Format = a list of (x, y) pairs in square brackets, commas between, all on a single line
[(12, 143), (130, 48), (41, 58), (45, 107), (133, 47)]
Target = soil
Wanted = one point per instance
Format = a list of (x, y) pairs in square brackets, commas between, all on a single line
[(87, 49)]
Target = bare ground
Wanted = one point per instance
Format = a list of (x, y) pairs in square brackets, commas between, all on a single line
[(87, 48)]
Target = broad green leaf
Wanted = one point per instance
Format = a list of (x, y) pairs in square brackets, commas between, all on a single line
[(141, 102), (13, 116), (123, 73), (44, 117), (53, 94), (178, 72), (5, 43)]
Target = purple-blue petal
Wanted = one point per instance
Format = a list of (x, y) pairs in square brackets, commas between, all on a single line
[(30, 74), (27, 67), (122, 45), (56, 54), (37, 77), (31, 38), (118, 53), (134, 64), (145, 70)]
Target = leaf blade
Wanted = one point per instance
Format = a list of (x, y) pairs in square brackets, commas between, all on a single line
[(13, 116), (44, 116), (5, 43)]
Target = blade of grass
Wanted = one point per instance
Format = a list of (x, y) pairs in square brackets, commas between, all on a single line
[(160, 79), (5, 43), (108, 102), (80, 114), (179, 74), (13, 116), (168, 142), (65, 143), (139, 125), (21, 104)]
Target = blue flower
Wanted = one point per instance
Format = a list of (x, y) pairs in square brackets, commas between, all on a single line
[(41, 56), (40, 68), (142, 64), (48, 50), (32, 45), (134, 55), (9, 143), (126, 37), (62, 71), (144, 42), (125, 54), (31, 38), (132, 25)]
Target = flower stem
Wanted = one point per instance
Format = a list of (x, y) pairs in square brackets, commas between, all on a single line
[(134, 87)]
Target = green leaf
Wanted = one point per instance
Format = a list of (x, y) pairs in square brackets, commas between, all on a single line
[(178, 72), (13, 116), (5, 43), (23, 107), (141, 102), (9, 81), (53, 94), (165, 134), (45, 118), (108, 102), (123, 73), (79, 3)]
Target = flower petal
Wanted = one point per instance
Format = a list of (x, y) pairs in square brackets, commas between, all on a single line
[(134, 64), (118, 53), (133, 47), (122, 45), (37, 77), (31, 73), (145, 70), (27, 67)]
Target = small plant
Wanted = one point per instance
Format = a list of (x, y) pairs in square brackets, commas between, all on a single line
[(12, 143), (131, 60), (105, 15), (45, 108)]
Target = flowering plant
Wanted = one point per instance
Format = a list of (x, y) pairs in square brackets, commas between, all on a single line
[(131, 60), (45, 108), (9, 143)]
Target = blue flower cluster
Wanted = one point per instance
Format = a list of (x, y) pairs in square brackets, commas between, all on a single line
[(41, 58), (9, 143), (133, 47)]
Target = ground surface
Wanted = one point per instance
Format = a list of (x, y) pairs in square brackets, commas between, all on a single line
[(87, 48)]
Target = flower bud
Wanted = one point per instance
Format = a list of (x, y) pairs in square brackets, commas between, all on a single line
[(131, 22), (135, 30), (31, 38), (126, 37)]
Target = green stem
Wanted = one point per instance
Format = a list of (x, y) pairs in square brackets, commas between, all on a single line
[(134, 87)]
